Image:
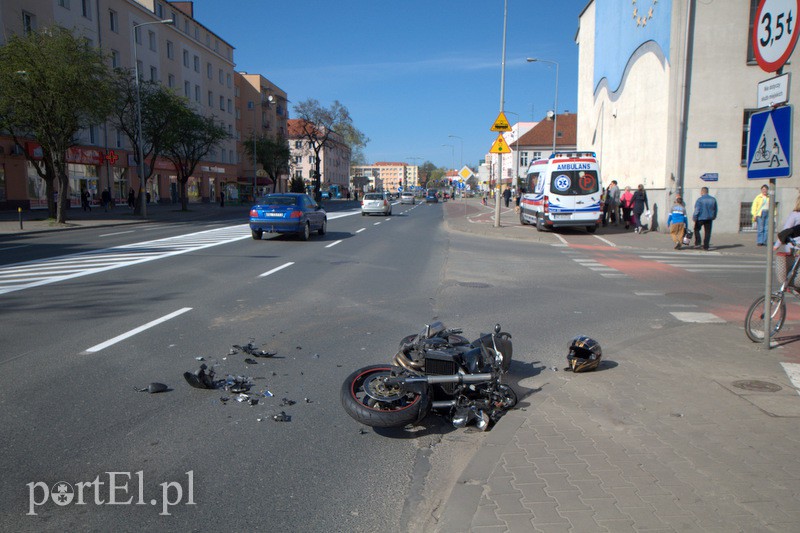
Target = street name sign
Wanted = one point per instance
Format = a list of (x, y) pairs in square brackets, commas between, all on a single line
[(775, 32), (769, 144)]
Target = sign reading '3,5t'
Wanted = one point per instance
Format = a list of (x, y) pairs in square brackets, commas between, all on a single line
[(775, 32)]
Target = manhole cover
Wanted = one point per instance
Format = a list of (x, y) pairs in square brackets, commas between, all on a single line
[(688, 296), (758, 386), (474, 284)]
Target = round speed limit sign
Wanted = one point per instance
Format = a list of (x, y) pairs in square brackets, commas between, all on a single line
[(775, 32)]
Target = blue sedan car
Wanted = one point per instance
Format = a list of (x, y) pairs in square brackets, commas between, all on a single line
[(287, 213)]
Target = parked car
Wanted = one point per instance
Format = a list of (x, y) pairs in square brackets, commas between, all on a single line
[(432, 197), (375, 202), (408, 198), (287, 213)]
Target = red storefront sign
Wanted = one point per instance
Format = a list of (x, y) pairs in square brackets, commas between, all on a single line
[(77, 154)]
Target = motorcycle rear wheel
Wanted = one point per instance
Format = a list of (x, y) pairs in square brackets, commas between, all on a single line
[(367, 399)]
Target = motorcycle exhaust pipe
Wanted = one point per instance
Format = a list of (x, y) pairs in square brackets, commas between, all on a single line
[(442, 404), (455, 378)]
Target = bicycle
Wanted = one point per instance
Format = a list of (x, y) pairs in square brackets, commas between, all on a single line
[(754, 321)]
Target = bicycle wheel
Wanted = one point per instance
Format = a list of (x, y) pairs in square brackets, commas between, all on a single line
[(754, 322)]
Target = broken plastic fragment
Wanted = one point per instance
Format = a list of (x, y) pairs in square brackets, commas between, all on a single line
[(153, 388), (268, 394), (287, 401), (283, 417), (199, 358), (250, 361), (224, 399), (242, 398), (202, 379)]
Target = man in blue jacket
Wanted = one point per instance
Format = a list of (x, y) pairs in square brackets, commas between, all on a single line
[(705, 211)]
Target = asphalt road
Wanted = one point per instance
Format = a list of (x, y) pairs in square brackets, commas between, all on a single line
[(327, 307)]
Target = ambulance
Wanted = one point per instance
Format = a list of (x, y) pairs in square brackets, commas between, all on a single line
[(563, 191)]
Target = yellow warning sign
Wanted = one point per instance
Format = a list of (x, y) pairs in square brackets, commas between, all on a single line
[(500, 146), (501, 123)]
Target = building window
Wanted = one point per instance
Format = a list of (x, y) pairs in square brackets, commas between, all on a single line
[(238, 114), (523, 159), (221, 77), (186, 58), (115, 59), (170, 81), (210, 99), (64, 3), (113, 20), (92, 134), (86, 8), (187, 89), (197, 63), (139, 69), (222, 103), (746, 133), (197, 93), (230, 105), (151, 39), (298, 159), (208, 40), (298, 173), (170, 50), (298, 144), (28, 22), (153, 74), (229, 81), (209, 71), (160, 11), (751, 54), (186, 26), (537, 155), (137, 34)]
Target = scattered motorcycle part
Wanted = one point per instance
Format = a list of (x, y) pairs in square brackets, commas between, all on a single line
[(153, 388), (370, 400)]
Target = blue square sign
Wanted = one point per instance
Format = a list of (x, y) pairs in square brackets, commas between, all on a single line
[(769, 144)]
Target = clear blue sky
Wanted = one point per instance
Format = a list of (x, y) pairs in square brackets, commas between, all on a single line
[(412, 73)]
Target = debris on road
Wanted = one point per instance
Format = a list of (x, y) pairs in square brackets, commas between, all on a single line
[(153, 388), (201, 379), (250, 361), (250, 349), (287, 401), (283, 417)]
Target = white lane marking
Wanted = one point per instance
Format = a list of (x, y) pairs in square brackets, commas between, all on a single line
[(640, 293), (265, 274), (115, 233), (377, 224), (12, 247), (698, 318), (334, 243), (793, 371), (605, 241), (131, 333), (562, 239), (582, 260), (362, 229), (340, 214), (614, 275)]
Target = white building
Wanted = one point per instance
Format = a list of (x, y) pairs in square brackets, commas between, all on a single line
[(665, 91)]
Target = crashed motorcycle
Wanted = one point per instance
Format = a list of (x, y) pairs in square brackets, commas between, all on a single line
[(437, 369)]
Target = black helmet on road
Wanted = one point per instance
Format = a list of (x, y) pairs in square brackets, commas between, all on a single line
[(584, 354)]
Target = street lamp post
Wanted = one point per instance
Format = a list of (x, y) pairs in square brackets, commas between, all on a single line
[(461, 161), (139, 149), (555, 104)]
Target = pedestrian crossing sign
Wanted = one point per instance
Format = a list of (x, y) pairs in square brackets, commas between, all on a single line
[(769, 144), (500, 146)]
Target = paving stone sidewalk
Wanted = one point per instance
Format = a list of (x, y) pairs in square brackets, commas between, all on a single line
[(661, 438)]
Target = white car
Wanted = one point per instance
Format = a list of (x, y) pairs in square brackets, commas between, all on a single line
[(408, 198), (375, 202)]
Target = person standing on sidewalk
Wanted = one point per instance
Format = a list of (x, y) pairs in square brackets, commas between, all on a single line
[(640, 204), (705, 211), (507, 195), (85, 201), (222, 198), (677, 222), (626, 202), (760, 211)]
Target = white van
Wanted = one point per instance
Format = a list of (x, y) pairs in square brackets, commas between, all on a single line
[(564, 190)]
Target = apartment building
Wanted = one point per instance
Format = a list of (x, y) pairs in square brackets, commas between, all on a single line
[(665, 94), (185, 56), (387, 176), (334, 158), (260, 112)]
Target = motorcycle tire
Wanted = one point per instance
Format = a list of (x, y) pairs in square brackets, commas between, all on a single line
[(395, 410)]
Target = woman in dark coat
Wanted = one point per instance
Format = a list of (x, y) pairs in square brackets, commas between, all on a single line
[(640, 204)]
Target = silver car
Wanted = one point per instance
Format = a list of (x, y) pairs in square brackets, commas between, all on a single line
[(375, 202), (408, 198)]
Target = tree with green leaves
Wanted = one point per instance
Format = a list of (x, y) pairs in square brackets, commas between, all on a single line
[(187, 141), (297, 185), (159, 107), (322, 128), (53, 85), (272, 154)]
